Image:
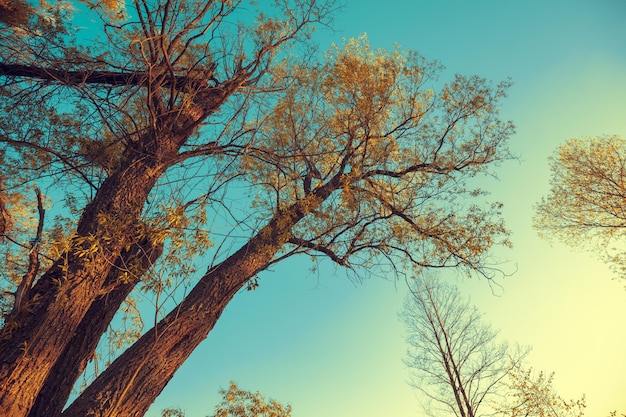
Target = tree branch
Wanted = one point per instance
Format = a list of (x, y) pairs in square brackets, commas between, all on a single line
[(65, 160), (23, 289), (319, 248), (112, 78)]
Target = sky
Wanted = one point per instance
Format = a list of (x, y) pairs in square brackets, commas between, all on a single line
[(333, 348)]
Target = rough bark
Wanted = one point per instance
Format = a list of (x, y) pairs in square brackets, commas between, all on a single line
[(134, 380), (63, 376), (37, 335)]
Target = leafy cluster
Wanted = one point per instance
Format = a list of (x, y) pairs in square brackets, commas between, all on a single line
[(586, 206), (531, 394), (401, 152), (240, 403)]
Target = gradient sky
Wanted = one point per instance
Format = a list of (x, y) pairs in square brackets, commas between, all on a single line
[(334, 349)]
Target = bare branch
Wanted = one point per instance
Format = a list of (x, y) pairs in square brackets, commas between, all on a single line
[(22, 294), (319, 248), (110, 78)]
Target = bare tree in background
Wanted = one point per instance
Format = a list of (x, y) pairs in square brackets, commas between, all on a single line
[(455, 359)]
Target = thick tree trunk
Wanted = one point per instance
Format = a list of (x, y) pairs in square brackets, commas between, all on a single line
[(34, 338), (63, 376), (134, 380)]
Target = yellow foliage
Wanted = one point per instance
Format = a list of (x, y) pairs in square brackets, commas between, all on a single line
[(531, 394), (111, 4), (587, 202), (240, 403), (394, 151)]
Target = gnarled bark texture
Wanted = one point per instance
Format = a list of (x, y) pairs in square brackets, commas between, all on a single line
[(54, 394), (128, 386), (64, 294)]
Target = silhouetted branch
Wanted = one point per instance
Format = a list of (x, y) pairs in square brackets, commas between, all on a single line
[(319, 248), (112, 78), (22, 293)]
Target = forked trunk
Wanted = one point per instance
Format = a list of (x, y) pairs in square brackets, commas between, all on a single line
[(34, 338), (63, 376), (134, 380)]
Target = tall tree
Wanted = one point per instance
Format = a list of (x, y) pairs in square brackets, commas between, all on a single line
[(586, 206), (456, 361), (148, 135)]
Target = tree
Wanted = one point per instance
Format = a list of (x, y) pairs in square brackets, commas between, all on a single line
[(586, 206), (147, 138), (240, 403), (455, 359), (531, 394)]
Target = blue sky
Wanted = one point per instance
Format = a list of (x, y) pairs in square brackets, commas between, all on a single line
[(332, 348)]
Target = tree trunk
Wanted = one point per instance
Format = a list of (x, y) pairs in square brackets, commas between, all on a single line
[(134, 380), (63, 376), (33, 339)]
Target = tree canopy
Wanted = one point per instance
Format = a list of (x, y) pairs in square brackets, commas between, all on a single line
[(237, 402), (531, 394), (586, 206), (183, 147)]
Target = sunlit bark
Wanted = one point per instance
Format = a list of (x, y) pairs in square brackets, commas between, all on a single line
[(123, 277), (127, 387)]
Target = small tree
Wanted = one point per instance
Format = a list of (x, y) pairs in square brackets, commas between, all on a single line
[(531, 394), (455, 359), (240, 403), (586, 206)]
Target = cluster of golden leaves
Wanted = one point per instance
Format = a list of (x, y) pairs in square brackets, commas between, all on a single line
[(586, 206), (400, 148), (531, 394), (240, 403)]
